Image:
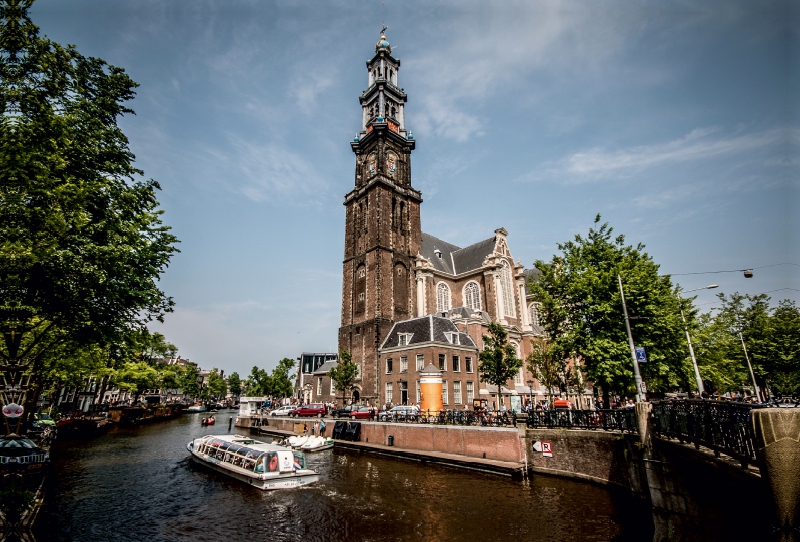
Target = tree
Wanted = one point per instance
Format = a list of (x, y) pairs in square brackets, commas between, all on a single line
[(281, 380), (581, 312), (136, 377), (546, 366), (344, 374), (259, 383), (498, 361), (82, 244), (216, 385), (781, 359), (188, 382), (235, 384)]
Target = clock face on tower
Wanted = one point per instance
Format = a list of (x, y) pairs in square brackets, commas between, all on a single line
[(391, 163), (372, 163)]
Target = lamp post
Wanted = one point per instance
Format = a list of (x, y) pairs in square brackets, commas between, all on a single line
[(636, 374), (752, 375), (700, 388)]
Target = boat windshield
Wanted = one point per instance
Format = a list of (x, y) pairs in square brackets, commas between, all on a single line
[(237, 455)]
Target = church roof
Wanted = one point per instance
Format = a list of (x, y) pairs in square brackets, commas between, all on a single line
[(426, 329), (325, 367), (455, 260)]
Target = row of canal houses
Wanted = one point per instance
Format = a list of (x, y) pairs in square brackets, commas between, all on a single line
[(94, 391)]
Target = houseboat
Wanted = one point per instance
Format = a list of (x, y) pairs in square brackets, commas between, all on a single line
[(262, 465)]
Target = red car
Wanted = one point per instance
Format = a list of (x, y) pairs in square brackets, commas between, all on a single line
[(364, 413), (311, 409)]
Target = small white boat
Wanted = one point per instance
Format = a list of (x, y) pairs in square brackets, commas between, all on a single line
[(197, 408), (262, 465), (297, 441), (315, 444)]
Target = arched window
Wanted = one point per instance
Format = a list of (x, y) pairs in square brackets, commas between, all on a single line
[(472, 296), (442, 297), (508, 292), (533, 308)]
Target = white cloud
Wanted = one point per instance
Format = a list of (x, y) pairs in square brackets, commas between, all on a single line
[(305, 88), (699, 144)]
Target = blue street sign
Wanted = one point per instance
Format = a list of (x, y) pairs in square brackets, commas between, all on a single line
[(641, 357)]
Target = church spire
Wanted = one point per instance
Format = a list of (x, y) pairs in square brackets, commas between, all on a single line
[(383, 101)]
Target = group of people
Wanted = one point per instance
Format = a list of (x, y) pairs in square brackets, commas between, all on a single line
[(317, 428)]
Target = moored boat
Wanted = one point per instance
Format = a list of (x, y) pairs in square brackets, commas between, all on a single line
[(262, 465), (316, 444), (197, 408)]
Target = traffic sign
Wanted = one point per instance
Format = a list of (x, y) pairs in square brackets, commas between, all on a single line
[(641, 356), (547, 448)]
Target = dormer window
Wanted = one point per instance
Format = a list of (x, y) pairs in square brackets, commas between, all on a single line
[(452, 338), (438, 253), (403, 339)]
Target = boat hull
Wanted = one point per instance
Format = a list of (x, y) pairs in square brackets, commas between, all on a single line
[(282, 481)]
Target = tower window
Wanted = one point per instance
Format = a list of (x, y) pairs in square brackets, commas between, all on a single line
[(508, 292), (534, 311)]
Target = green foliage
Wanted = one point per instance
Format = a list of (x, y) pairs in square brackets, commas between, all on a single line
[(82, 244), (581, 311), (216, 385), (498, 360), (278, 384), (344, 374), (235, 384), (546, 366), (188, 382), (136, 377), (772, 337)]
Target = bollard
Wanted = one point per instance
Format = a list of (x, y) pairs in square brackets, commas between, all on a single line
[(391, 440)]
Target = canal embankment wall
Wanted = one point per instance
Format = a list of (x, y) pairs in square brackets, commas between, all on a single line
[(494, 443)]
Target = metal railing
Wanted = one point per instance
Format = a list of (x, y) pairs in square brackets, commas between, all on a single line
[(722, 426), (454, 417), (623, 420)]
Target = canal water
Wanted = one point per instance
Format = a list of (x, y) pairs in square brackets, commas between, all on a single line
[(138, 484)]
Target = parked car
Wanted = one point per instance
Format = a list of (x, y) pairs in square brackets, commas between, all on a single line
[(311, 409), (345, 412), (399, 413), (21, 455), (283, 411), (363, 413)]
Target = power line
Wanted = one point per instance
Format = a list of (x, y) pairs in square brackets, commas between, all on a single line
[(732, 270)]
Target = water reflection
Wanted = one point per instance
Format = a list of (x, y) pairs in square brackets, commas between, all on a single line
[(137, 484)]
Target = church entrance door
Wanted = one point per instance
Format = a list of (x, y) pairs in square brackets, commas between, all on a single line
[(356, 396)]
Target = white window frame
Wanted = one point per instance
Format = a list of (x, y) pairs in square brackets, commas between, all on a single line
[(508, 289), (403, 364), (389, 366), (468, 364), (443, 298), (445, 398), (419, 393), (470, 391), (442, 366), (403, 339), (472, 295), (457, 392), (319, 385), (420, 362), (333, 387), (389, 392)]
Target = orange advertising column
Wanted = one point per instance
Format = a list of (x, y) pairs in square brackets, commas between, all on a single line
[(430, 388)]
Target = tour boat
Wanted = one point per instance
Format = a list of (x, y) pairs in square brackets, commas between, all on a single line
[(310, 443), (262, 465)]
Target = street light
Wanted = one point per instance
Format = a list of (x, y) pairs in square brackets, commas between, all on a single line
[(700, 388), (640, 391)]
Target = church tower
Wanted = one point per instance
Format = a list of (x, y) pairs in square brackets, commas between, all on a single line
[(382, 224)]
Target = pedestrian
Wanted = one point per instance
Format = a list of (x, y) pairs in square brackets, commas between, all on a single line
[(305, 428), (322, 428)]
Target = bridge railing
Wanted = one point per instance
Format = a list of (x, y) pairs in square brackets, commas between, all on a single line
[(722, 426), (608, 420)]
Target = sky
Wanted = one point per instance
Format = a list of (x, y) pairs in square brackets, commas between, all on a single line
[(677, 121)]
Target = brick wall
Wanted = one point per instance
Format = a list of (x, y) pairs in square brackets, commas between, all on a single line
[(502, 444)]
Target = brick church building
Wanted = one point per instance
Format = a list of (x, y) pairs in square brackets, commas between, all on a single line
[(410, 299)]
